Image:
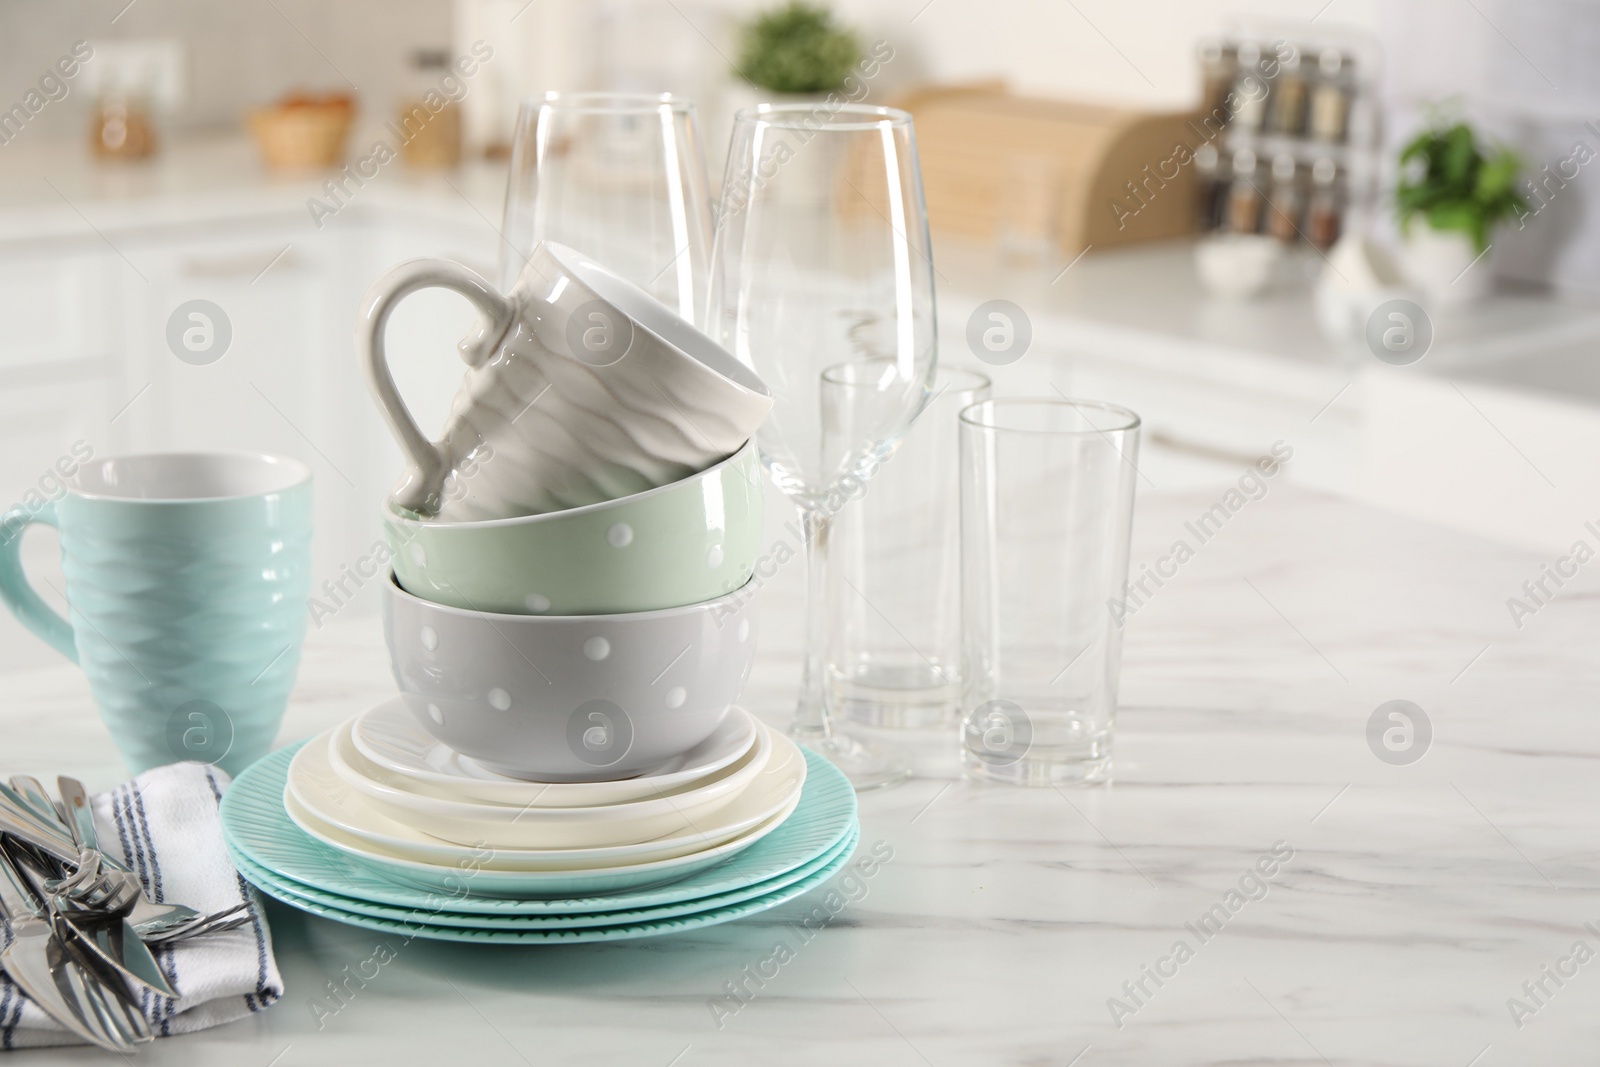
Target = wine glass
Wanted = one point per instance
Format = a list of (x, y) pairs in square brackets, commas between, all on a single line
[(621, 178), (821, 257)]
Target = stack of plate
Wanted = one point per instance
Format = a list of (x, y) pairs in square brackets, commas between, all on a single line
[(378, 824)]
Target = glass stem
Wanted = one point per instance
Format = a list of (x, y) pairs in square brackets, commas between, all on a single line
[(811, 718)]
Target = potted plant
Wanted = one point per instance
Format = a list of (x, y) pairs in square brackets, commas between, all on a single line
[(798, 50), (1459, 190)]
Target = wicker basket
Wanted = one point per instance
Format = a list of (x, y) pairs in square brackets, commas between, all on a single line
[(298, 137)]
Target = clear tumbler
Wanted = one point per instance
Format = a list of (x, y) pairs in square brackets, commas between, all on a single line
[(894, 596), (1047, 491)]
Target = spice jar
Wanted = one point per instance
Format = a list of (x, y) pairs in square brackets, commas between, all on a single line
[(1244, 198), (1289, 97), (1211, 189), (1330, 98), (1218, 70), (1325, 213), (1251, 88), (429, 125), (121, 128), (1284, 219)]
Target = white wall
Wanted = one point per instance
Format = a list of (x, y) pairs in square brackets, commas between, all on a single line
[(1110, 50)]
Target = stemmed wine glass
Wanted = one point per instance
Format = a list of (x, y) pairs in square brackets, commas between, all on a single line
[(821, 257), (621, 178)]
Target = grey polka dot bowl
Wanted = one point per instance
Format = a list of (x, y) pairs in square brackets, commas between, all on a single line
[(570, 698), (681, 543)]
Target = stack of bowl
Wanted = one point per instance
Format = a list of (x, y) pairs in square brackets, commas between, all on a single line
[(584, 644), (566, 740)]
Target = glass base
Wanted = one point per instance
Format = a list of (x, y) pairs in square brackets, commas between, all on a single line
[(1044, 750), (896, 697), (868, 766), (1038, 772)]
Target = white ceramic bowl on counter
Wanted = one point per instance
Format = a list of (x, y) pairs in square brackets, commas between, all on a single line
[(570, 698), (1238, 265)]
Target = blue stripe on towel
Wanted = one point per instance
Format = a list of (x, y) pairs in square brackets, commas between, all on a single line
[(262, 998)]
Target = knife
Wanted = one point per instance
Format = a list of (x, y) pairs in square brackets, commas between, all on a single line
[(109, 1015), (21, 812), (32, 792), (80, 820), (29, 832), (80, 817), (111, 938), (31, 963), (117, 944)]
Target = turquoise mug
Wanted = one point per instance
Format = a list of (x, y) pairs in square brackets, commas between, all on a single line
[(187, 577)]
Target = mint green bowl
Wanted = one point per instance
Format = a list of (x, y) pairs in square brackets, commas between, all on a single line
[(678, 544)]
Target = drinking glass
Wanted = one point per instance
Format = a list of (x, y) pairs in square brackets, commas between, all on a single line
[(1047, 491), (621, 178), (894, 586), (821, 257)]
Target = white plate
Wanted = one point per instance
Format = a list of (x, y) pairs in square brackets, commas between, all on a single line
[(312, 788), (259, 834), (388, 735), (501, 826), (454, 881)]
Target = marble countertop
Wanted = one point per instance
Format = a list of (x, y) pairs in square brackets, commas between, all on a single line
[(1406, 905)]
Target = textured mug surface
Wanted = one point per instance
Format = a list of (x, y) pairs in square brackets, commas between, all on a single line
[(581, 388), (187, 577), (679, 544), (570, 697)]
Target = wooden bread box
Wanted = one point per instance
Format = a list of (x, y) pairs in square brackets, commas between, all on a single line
[(1120, 177)]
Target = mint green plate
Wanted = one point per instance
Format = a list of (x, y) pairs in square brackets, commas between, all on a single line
[(259, 833), (577, 935), (303, 896)]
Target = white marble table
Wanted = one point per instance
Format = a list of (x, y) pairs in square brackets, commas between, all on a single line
[(1418, 898)]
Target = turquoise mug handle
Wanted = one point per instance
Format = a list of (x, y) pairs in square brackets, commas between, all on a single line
[(29, 608)]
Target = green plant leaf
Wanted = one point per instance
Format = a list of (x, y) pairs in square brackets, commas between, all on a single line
[(797, 48), (1456, 186)]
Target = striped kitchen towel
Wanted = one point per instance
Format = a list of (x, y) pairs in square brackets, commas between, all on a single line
[(164, 826)]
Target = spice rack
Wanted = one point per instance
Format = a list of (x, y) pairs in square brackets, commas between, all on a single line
[(1291, 130)]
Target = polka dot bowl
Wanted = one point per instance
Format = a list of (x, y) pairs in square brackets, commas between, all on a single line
[(570, 698), (682, 543)]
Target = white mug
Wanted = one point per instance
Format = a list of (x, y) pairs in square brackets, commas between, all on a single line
[(581, 388)]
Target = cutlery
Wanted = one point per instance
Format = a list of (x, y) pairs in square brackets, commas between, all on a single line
[(226, 919), (81, 822), (115, 948), (86, 970), (104, 934), (19, 810), (29, 832), (32, 791), (110, 1015), (115, 940), (36, 962)]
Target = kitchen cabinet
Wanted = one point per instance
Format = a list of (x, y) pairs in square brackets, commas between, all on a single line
[(87, 357), (44, 430)]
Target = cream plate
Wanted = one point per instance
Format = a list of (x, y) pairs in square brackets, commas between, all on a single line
[(501, 826), (479, 877), (388, 735), (343, 819)]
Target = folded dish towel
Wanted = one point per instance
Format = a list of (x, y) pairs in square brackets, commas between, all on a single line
[(164, 826)]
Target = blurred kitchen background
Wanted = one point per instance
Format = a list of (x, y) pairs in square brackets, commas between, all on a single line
[(178, 161)]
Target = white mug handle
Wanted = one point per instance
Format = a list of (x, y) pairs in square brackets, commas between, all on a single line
[(425, 480)]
